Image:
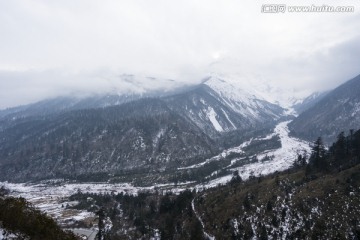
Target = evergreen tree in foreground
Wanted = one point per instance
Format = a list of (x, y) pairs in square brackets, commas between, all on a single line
[(318, 156)]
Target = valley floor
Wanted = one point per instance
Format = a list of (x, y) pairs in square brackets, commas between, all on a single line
[(268, 161), (52, 196)]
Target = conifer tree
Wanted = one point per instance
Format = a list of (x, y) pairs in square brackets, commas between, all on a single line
[(318, 158)]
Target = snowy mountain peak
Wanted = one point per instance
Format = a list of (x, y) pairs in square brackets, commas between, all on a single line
[(243, 87), (244, 99), (233, 88)]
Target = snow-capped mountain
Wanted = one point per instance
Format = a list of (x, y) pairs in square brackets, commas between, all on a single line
[(116, 91), (206, 111), (254, 83), (247, 103), (143, 134), (216, 114), (150, 130)]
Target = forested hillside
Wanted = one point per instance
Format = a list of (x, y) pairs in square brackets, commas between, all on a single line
[(20, 220), (319, 198)]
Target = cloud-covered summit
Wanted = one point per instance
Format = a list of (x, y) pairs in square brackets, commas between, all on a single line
[(51, 47)]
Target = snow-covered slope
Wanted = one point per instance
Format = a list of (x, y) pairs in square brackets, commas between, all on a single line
[(254, 83), (267, 162), (213, 109), (241, 88), (202, 106), (170, 131), (246, 101), (282, 158)]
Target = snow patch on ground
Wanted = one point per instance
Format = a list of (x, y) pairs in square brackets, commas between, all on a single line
[(52, 197), (227, 117), (4, 234), (227, 152), (284, 157), (356, 109), (211, 114), (281, 159)]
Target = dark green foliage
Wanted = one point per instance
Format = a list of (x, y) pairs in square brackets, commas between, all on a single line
[(263, 233), (322, 198), (101, 224), (321, 207), (21, 218), (236, 178), (300, 161), (166, 204), (196, 231), (171, 214), (269, 206), (344, 153), (319, 229), (182, 201), (4, 191), (95, 144), (340, 147), (257, 146), (318, 159), (247, 201), (261, 209)]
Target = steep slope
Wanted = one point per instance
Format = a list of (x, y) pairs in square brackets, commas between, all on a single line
[(216, 106), (115, 134), (210, 112), (309, 102), (70, 137), (21, 220), (285, 206), (306, 202), (338, 111), (255, 157), (144, 134), (248, 104)]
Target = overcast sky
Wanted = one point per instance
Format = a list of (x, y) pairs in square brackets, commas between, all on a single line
[(49, 48)]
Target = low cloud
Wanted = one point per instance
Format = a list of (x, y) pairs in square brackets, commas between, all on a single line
[(61, 47)]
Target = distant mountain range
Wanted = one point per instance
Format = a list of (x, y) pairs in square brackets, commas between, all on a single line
[(159, 131)]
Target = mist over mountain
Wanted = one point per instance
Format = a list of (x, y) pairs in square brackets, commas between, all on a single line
[(160, 129), (179, 119), (220, 131), (115, 133)]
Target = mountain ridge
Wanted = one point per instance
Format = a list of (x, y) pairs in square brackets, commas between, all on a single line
[(337, 110), (159, 134), (152, 134)]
